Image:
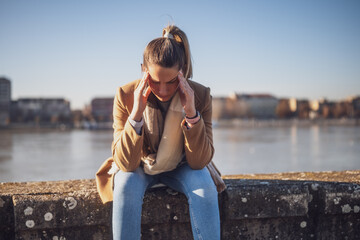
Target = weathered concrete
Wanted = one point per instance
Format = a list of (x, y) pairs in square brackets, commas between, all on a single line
[(252, 207), (330, 176)]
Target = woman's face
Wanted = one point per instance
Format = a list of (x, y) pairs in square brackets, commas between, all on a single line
[(163, 81)]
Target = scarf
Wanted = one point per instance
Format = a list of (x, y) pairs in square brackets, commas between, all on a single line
[(163, 138)]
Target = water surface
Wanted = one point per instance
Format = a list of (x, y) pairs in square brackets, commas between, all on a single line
[(58, 155)]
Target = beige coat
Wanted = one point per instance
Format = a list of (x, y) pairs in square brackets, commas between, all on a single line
[(127, 145)]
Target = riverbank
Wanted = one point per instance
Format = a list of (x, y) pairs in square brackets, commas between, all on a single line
[(250, 208)]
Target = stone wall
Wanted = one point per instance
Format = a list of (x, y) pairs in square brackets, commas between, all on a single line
[(252, 207)]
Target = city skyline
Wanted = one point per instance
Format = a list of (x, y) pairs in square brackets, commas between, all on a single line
[(230, 95), (85, 50)]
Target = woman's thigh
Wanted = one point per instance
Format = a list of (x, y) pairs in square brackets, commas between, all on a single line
[(191, 182), (132, 184)]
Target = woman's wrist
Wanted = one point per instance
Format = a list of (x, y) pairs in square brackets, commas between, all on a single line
[(136, 117), (191, 121), (195, 115), (191, 114)]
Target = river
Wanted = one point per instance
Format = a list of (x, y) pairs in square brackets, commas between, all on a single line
[(42, 155)]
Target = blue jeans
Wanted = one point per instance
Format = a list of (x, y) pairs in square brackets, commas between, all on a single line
[(197, 185)]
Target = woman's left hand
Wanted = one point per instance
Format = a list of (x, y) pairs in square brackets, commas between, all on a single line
[(186, 96)]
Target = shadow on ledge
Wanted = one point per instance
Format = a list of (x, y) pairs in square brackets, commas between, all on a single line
[(323, 205)]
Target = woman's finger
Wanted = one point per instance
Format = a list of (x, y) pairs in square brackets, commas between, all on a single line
[(181, 81), (147, 92), (143, 81), (145, 75), (186, 89)]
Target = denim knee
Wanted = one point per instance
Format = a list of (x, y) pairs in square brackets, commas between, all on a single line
[(129, 186), (207, 193)]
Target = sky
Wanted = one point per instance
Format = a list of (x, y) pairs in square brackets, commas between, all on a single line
[(84, 49)]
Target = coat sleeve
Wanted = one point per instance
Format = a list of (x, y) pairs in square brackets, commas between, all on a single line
[(127, 144), (198, 144)]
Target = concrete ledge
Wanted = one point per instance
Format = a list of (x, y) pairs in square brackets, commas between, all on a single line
[(252, 207)]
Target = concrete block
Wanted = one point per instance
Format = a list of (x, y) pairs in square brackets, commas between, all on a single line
[(269, 228), (341, 198), (264, 199), (164, 205), (88, 233), (6, 217), (51, 211), (340, 226), (178, 231)]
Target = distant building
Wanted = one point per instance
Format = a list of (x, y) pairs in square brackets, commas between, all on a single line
[(342, 109), (5, 101), (77, 117), (355, 102), (326, 108), (236, 107), (260, 106), (41, 110), (101, 109), (303, 109), (218, 108), (314, 109), (284, 109), (86, 112)]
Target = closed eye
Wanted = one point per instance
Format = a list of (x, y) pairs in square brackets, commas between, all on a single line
[(153, 82), (172, 81)]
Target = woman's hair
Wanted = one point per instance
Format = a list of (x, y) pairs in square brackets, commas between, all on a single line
[(170, 50)]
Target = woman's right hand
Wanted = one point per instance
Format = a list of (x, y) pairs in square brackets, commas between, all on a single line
[(141, 95)]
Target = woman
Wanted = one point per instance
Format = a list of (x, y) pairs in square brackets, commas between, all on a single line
[(162, 134)]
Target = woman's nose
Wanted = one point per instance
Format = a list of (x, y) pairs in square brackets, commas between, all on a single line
[(162, 89)]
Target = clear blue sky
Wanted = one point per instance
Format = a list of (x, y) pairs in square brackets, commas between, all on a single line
[(84, 49)]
